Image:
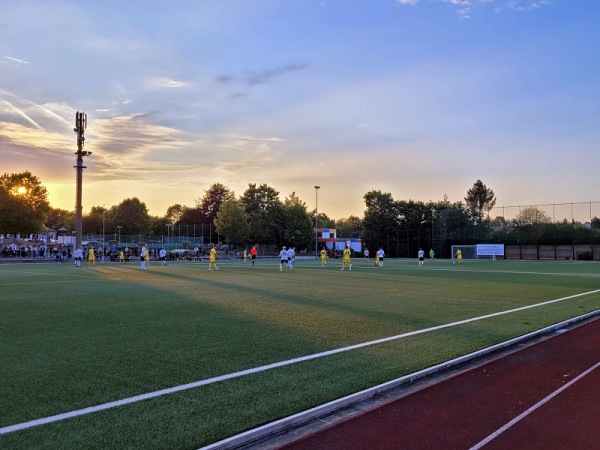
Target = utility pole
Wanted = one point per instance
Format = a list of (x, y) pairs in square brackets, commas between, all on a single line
[(80, 126)]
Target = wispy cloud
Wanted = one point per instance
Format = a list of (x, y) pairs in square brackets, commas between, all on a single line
[(19, 61), (466, 6), (267, 75), (21, 113), (165, 83)]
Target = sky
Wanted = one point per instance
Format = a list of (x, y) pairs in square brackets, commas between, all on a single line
[(416, 98)]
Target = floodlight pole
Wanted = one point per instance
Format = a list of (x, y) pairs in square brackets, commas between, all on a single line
[(80, 126), (317, 220)]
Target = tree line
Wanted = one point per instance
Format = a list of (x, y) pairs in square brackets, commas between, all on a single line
[(401, 227)]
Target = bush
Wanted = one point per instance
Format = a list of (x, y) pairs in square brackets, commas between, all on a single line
[(585, 256)]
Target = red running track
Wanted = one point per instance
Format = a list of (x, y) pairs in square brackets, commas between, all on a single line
[(545, 396)]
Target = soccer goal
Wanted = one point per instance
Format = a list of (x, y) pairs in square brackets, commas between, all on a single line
[(479, 251)]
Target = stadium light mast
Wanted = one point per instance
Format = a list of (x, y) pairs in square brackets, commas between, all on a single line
[(80, 126), (317, 220)]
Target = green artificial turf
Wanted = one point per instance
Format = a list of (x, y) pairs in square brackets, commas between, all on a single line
[(72, 338)]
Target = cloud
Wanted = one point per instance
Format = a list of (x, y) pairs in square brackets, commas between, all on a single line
[(267, 75), (19, 61), (501, 5), (165, 83)]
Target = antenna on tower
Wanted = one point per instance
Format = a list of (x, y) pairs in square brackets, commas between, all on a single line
[(80, 126)]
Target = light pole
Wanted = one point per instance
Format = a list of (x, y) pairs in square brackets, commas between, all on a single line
[(169, 226), (316, 220), (103, 211)]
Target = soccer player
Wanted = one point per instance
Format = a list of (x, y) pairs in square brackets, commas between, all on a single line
[(283, 258), (244, 255), (380, 256), (212, 258), (162, 255), (459, 255), (323, 254), (291, 257), (91, 257), (421, 255), (366, 254), (346, 258), (377, 258), (121, 256), (253, 254), (432, 255), (143, 253), (78, 255)]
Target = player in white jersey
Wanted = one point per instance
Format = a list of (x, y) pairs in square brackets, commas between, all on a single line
[(283, 258), (380, 255), (78, 256)]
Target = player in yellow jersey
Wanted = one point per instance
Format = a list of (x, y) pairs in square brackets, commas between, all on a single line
[(376, 258), (212, 259), (323, 254), (459, 256), (121, 256), (91, 257), (346, 259)]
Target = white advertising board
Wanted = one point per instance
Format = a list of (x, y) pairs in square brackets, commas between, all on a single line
[(490, 249)]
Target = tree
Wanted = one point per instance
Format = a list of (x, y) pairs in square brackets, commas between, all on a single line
[(132, 215), (480, 199), (380, 222), (213, 198), (531, 215), (59, 218), (97, 221), (264, 210), (193, 216), (298, 227), (25, 205), (349, 228), (232, 222), (174, 213)]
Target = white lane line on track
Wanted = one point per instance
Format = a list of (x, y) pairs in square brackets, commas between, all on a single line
[(196, 384), (524, 414)]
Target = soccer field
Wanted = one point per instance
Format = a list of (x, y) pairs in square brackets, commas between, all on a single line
[(180, 357)]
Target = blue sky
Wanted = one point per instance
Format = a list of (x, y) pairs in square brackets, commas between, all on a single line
[(419, 98)]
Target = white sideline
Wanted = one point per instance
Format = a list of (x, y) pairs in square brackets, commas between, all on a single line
[(524, 414), (183, 387)]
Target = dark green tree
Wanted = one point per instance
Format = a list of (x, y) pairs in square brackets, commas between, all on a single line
[(213, 198), (298, 227), (480, 199), (132, 215), (380, 222), (61, 218), (265, 216), (232, 222), (25, 207), (351, 227), (174, 213), (98, 219)]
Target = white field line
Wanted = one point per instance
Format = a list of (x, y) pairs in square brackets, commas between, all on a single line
[(195, 384), (524, 414)]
